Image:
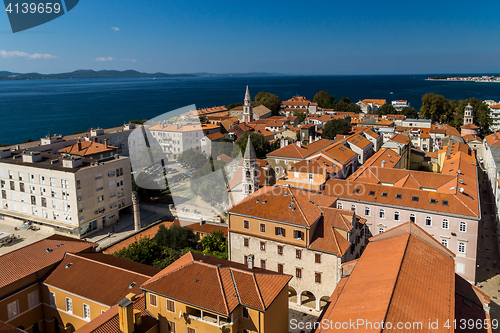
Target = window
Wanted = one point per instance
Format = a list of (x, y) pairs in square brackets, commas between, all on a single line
[(367, 211), (191, 330), (310, 178), (279, 231), (86, 311), (21, 187), (170, 326), (13, 309), (339, 205), (246, 224), (33, 200), (445, 224), (12, 187), (52, 298), (245, 242), (396, 216), (2, 183), (461, 247), (444, 242), (11, 174), (69, 305), (381, 230), (317, 277), (317, 258), (280, 268), (42, 180), (21, 176), (244, 312), (298, 273), (44, 202), (381, 214), (99, 188), (152, 300), (262, 264), (262, 246), (412, 218), (52, 181), (353, 208), (298, 254), (280, 250), (100, 198), (4, 194), (33, 299), (245, 260), (297, 234), (463, 226), (170, 305), (262, 227), (428, 221)]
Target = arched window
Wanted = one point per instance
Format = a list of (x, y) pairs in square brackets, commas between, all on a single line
[(428, 221), (367, 211), (339, 205), (353, 208), (463, 226), (412, 218), (396, 216), (381, 214), (445, 224)]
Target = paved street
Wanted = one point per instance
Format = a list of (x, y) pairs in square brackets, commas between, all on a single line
[(124, 229), (487, 275)]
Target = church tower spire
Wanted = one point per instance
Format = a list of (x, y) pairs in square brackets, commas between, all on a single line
[(247, 108), (250, 173)]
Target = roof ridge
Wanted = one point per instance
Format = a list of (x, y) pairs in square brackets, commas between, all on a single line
[(167, 273), (258, 292), (222, 288), (105, 264), (336, 240), (300, 209), (45, 240)]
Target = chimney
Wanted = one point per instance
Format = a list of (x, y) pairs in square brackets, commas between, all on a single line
[(202, 222), (383, 163), (250, 261), (95, 138), (299, 143), (105, 143), (79, 147), (126, 314)]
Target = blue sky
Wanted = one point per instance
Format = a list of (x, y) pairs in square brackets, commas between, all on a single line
[(289, 37)]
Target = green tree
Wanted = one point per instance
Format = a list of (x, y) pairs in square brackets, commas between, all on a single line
[(137, 121), (214, 243), (233, 105), (144, 251), (386, 109), (270, 101), (481, 113), (409, 112), (437, 108), (176, 237), (336, 126), (261, 146), (353, 107), (193, 158), (324, 100), (167, 257), (301, 114)]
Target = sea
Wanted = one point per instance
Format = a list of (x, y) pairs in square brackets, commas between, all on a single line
[(31, 109)]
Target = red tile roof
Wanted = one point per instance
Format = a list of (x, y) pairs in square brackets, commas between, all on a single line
[(86, 148), (415, 282), (283, 204), (294, 151), (217, 285), (110, 279), (215, 136), (32, 258), (493, 139)]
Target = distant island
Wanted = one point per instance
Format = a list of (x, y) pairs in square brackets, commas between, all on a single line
[(108, 74), (484, 78)]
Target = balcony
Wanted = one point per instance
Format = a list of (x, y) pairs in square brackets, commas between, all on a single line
[(205, 317)]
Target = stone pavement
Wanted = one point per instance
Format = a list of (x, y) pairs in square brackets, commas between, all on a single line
[(297, 313), (125, 228), (487, 251)]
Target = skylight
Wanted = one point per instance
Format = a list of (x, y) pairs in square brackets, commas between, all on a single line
[(433, 201), (384, 194), (445, 202), (398, 196), (372, 193), (415, 199)]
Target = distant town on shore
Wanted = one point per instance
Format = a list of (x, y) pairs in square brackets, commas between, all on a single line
[(484, 78)]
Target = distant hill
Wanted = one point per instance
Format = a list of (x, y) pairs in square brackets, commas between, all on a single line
[(106, 74), (85, 74)]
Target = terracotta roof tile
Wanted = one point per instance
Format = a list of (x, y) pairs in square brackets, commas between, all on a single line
[(86, 148), (110, 279), (35, 257), (217, 285)]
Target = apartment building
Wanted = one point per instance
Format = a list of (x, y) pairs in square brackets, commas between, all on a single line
[(297, 103), (23, 270), (72, 297), (74, 195), (370, 106), (446, 205), (198, 293), (495, 116), (177, 138), (400, 104), (415, 273), (298, 233)]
